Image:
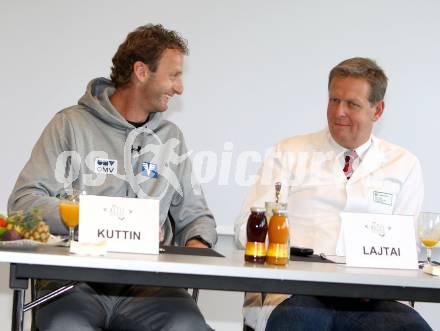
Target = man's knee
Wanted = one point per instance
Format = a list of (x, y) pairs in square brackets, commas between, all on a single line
[(300, 313), (65, 322), (186, 320)]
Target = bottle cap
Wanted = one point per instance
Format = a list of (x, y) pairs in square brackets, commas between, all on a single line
[(279, 210), (258, 209)]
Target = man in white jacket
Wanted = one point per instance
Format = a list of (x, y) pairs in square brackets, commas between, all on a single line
[(341, 168)]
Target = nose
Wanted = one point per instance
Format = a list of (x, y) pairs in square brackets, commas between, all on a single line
[(340, 109), (178, 87)]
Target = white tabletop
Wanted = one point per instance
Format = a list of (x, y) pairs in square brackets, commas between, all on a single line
[(232, 265)]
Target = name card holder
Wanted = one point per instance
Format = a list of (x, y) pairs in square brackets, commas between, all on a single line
[(127, 224), (379, 241)]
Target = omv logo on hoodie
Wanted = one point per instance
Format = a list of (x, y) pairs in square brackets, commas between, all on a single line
[(149, 169), (106, 166)]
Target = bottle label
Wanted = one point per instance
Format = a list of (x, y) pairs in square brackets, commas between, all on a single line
[(277, 250), (255, 248)]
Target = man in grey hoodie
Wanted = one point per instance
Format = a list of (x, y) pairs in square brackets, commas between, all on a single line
[(115, 143)]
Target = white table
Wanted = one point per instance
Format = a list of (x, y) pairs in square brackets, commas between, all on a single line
[(229, 273)]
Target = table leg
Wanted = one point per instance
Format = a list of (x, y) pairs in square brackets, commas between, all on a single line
[(19, 285), (17, 310)]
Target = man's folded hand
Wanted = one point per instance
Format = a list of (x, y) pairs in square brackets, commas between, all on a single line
[(195, 243)]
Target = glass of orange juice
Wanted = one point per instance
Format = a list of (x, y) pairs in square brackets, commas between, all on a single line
[(428, 225), (69, 212)]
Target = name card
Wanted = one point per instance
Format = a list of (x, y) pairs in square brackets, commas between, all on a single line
[(379, 241), (126, 224)]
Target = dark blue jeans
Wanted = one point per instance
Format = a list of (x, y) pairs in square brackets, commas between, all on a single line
[(301, 313)]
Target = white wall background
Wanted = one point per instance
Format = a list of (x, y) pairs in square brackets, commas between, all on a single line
[(257, 72)]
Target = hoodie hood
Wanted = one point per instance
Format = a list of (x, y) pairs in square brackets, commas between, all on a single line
[(97, 101)]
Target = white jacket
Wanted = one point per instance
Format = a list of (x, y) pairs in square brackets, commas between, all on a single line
[(316, 191)]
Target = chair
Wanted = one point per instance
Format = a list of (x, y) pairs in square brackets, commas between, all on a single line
[(195, 294)]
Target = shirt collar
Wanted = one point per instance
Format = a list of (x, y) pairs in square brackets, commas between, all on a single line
[(360, 151)]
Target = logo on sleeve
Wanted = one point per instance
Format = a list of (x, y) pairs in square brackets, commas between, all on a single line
[(106, 166), (149, 169)]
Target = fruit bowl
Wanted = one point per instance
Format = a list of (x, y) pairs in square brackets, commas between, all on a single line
[(20, 243), (27, 243)]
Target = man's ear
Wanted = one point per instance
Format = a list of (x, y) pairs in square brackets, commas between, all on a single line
[(141, 71), (379, 108)]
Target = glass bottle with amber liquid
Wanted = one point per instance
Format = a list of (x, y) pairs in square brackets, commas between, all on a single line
[(279, 248), (256, 231)]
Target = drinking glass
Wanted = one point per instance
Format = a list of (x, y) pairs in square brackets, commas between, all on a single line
[(69, 212), (428, 225)]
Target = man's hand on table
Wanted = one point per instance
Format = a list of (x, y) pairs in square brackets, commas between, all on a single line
[(196, 243)]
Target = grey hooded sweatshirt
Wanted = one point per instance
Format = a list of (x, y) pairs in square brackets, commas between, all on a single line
[(91, 147)]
